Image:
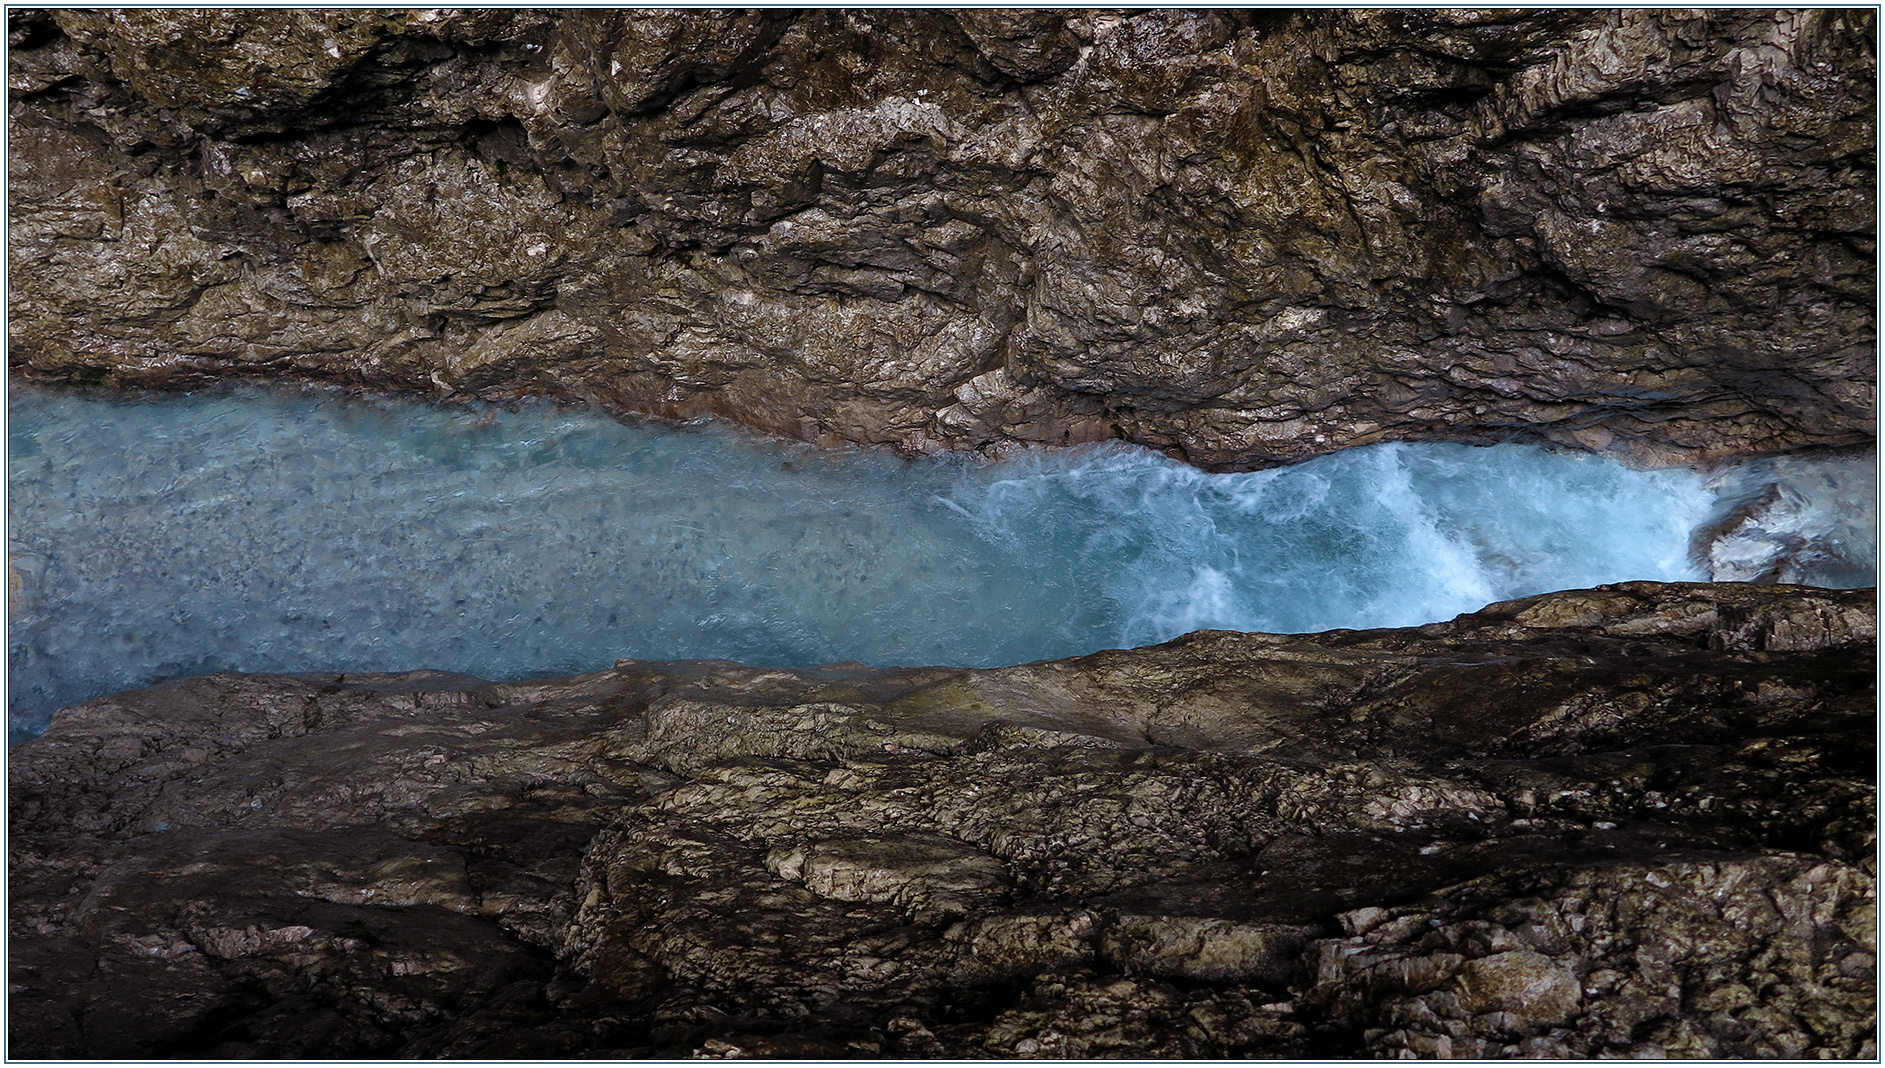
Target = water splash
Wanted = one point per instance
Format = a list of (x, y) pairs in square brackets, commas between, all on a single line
[(267, 531), (1794, 519)]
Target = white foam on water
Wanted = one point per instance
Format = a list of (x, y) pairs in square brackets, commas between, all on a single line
[(266, 531), (1810, 520)]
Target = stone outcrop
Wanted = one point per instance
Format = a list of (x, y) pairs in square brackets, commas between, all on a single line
[(1633, 821), (1638, 820), (1243, 237)]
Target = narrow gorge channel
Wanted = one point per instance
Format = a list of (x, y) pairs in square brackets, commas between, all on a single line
[(970, 534), (253, 530)]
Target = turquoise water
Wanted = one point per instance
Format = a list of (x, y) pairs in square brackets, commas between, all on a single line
[(271, 531)]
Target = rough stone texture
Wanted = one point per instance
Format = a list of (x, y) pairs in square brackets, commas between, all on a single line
[(1244, 237), (1638, 820)]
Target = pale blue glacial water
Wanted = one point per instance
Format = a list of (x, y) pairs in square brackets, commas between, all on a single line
[(302, 531)]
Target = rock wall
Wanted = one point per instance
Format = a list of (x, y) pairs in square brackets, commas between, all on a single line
[(1635, 821), (1244, 237)]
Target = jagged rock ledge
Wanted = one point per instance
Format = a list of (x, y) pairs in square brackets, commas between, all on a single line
[(1245, 237), (1638, 820)]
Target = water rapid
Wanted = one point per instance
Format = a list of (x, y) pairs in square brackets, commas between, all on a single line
[(300, 531)]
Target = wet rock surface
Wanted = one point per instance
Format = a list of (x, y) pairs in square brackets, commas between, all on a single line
[(1638, 820), (1245, 237)]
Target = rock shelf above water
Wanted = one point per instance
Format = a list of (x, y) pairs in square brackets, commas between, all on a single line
[(1637, 820), (1245, 237)]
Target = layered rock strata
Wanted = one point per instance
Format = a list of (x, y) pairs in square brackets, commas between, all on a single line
[(1638, 820), (1243, 237)]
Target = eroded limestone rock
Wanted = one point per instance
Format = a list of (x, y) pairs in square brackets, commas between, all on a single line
[(1649, 960), (1245, 237), (1638, 820)]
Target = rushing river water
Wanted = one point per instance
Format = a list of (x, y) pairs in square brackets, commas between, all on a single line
[(283, 531)]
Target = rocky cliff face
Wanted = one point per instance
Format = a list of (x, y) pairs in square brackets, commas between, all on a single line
[(1632, 821), (1245, 237)]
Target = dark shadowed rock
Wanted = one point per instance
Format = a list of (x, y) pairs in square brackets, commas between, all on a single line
[(1245, 237), (1637, 820)]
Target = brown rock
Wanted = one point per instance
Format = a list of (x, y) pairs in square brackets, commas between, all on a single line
[(1530, 985), (1246, 238), (1571, 826)]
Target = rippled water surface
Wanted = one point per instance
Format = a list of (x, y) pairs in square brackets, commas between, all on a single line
[(268, 531)]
